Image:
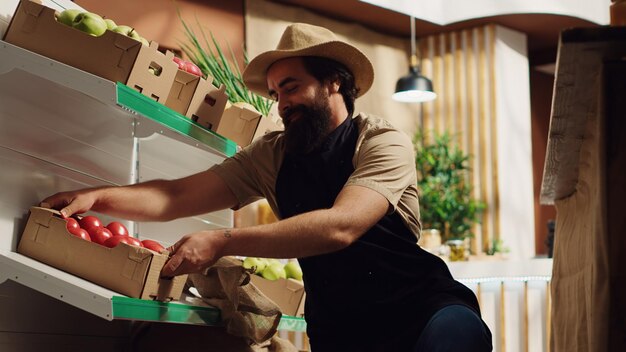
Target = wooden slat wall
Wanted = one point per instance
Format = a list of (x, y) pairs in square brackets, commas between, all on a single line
[(461, 67)]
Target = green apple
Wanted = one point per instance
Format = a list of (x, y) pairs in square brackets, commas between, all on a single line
[(273, 261), (293, 270), (123, 29), (134, 34), (110, 24), (90, 23), (130, 32), (144, 41), (274, 271), (255, 264), (67, 16)]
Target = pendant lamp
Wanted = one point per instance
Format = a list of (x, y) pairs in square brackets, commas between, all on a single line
[(414, 88)]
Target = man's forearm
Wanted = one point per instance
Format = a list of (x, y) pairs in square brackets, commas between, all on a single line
[(147, 201), (312, 233)]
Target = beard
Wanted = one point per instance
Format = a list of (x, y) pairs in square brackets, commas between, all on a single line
[(309, 130)]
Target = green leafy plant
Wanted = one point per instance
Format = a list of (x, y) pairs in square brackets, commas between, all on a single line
[(497, 246), (446, 203), (213, 62)]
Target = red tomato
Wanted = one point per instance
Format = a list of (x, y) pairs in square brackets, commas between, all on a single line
[(90, 221), (153, 245), (82, 233), (193, 69), (100, 234), (117, 229), (180, 62), (115, 240), (71, 223)]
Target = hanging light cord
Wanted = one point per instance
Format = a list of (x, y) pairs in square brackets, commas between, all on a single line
[(413, 63)]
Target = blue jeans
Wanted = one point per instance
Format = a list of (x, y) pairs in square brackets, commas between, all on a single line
[(454, 328)]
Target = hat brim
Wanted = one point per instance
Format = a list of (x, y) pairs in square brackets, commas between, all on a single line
[(254, 76)]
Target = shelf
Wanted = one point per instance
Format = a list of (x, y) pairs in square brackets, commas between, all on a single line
[(137, 102), (108, 304), (109, 93), (53, 147)]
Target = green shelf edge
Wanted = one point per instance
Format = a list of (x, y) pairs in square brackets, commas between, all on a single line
[(172, 312), (137, 102)]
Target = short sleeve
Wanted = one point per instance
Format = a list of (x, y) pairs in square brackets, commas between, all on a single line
[(385, 163), (251, 173)]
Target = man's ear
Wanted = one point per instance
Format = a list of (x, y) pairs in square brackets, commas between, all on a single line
[(333, 86)]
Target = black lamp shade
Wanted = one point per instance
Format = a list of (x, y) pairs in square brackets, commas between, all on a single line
[(414, 88)]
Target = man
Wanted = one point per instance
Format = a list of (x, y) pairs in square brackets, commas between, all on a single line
[(345, 190)]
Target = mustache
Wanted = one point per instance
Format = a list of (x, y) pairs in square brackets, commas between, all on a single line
[(290, 111)]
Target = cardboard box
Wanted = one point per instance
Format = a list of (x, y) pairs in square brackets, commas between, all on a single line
[(129, 270), (288, 294), (112, 56), (196, 97), (238, 123), (7, 9), (266, 125)]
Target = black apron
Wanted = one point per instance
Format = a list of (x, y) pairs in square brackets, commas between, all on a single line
[(378, 293)]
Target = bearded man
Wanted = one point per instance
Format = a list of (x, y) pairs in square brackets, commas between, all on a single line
[(344, 188)]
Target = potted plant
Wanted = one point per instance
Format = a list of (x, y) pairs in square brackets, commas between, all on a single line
[(446, 202)]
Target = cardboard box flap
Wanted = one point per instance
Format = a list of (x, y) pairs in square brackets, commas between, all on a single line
[(293, 285), (182, 91), (153, 84), (33, 12), (245, 113), (137, 254), (42, 215), (208, 103), (159, 288)]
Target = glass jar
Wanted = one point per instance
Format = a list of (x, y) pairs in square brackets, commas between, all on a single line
[(430, 240), (458, 250)]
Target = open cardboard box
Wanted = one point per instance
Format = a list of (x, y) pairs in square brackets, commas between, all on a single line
[(266, 125), (288, 294), (129, 270), (196, 97), (112, 56), (238, 123)]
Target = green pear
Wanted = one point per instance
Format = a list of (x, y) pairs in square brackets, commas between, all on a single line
[(110, 24), (67, 16), (90, 23), (274, 271), (293, 270)]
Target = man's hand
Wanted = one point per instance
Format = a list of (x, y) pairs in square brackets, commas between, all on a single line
[(70, 203), (193, 253)]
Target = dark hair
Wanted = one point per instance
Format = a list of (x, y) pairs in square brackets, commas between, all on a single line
[(329, 70)]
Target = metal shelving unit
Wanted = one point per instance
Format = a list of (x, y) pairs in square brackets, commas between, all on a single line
[(29, 148)]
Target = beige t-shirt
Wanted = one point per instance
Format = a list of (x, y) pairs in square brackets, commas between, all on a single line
[(384, 161)]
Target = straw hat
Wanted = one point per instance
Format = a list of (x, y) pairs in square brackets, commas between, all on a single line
[(300, 39)]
